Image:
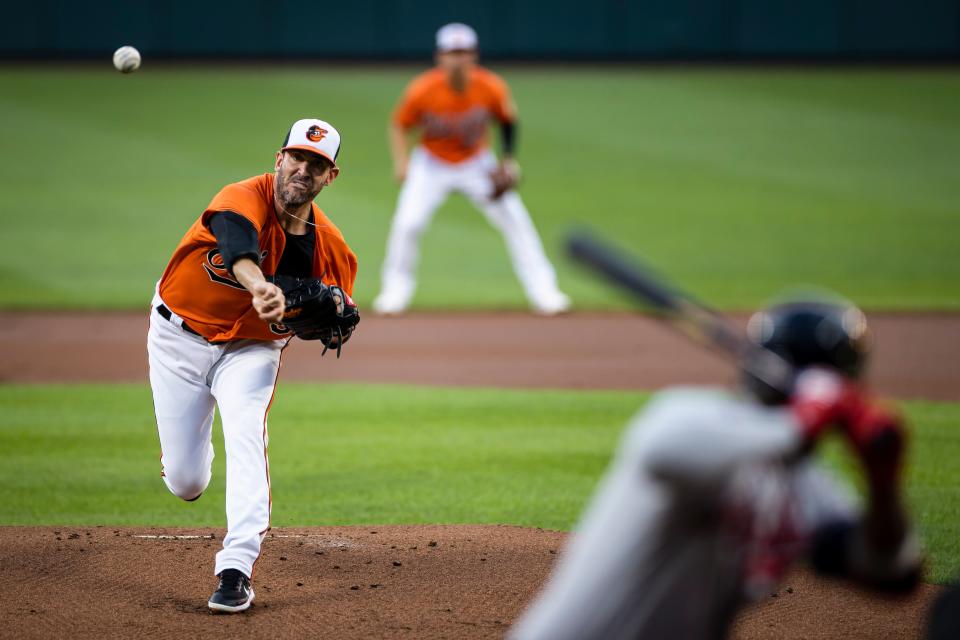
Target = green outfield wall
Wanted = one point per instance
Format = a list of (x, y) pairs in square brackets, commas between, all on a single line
[(524, 29)]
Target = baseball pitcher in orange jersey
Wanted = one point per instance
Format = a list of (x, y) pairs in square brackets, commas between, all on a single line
[(451, 106), (216, 335)]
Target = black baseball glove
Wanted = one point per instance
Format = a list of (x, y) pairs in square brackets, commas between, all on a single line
[(316, 311)]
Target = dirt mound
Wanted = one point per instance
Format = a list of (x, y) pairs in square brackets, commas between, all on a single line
[(346, 582)]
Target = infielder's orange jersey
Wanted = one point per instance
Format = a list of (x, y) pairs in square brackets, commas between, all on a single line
[(197, 286), (454, 124)]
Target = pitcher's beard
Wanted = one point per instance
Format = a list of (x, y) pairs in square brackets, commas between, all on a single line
[(291, 201), (291, 197)]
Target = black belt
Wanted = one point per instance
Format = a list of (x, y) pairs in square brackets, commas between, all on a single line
[(167, 315)]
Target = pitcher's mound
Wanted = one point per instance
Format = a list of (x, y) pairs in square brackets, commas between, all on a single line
[(345, 582)]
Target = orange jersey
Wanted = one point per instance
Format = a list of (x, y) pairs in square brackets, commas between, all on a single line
[(197, 286), (454, 124)]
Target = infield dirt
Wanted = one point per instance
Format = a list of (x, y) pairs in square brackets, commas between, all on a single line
[(917, 355), (348, 582)]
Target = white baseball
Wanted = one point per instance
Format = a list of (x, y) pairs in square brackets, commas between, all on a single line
[(126, 59)]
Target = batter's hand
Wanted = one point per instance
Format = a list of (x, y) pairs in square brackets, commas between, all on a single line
[(822, 398), (268, 300)]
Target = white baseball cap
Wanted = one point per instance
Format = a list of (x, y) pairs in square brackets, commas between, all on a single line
[(456, 36), (314, 135)]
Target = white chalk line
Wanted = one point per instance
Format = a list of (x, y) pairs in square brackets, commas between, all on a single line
[(317, 540), (172, 537)]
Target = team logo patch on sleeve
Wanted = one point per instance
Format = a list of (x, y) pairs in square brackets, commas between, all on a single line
[(316, 134)]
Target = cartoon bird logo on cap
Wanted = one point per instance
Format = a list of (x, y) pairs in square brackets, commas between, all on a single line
[(316, 134)]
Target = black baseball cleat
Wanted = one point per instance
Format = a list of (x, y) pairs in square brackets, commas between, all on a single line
[(234, 593)]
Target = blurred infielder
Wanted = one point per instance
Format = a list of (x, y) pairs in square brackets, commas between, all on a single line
[(216, 335), (713, 495), (452, 105)]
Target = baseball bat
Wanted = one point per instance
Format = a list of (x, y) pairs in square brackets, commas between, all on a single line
[(679, 309)]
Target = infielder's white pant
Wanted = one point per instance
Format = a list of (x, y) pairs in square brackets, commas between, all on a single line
[(429, 182), (189, 377)]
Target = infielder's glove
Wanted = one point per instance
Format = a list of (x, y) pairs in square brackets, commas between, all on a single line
[(504, 178), (316, 311)]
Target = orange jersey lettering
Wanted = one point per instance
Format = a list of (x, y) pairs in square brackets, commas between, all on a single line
[(453, 124), (197, 286)]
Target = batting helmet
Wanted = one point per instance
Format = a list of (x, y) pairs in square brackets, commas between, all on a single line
[(828, 332)]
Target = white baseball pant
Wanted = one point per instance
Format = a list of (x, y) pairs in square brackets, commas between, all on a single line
[(190, 377), (429, 182)]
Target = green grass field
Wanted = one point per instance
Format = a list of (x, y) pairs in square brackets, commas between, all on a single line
[(87, 455), (735, 181)]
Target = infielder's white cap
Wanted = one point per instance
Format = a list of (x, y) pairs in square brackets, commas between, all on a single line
[(316, 136), (456, 36)]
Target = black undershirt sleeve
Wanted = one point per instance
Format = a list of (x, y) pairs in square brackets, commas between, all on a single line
[(236, 238), (508, 137)]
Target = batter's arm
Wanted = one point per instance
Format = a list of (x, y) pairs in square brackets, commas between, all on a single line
[(696, 447), (890, 554), (881, 550)]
